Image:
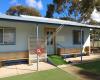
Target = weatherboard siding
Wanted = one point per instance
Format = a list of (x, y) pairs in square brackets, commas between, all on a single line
[(22, 32), (64, 37)]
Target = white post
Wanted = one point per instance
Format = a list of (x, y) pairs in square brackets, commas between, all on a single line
[(81, 44), (46, 50), (37, 29), (90, 42)]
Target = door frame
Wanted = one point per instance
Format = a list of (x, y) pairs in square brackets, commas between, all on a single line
[(54, 37)]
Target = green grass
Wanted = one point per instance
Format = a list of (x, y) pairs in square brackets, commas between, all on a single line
[(56, 60), (91, 66), (53, 74)]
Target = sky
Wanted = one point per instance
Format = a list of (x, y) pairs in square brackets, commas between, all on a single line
[(40, 5)]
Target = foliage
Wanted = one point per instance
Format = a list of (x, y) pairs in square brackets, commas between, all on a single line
[(50, 11), (68, 18), (93, 22), (22, 10), (78, 9)]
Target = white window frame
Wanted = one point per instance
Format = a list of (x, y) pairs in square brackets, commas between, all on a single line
[(3, 43)]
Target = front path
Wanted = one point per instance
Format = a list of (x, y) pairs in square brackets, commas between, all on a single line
[(92, 57), (13, 70)]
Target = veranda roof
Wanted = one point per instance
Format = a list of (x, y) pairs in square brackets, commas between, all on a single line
[(45, 20)]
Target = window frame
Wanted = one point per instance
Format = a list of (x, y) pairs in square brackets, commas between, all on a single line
[(78, 43), (13, 43), (2, 36)]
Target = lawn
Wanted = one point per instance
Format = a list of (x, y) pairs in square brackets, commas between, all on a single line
[(91, 66), (56, 60), (53, 74)]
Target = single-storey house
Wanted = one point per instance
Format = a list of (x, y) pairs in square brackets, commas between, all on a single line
[(18, 36)]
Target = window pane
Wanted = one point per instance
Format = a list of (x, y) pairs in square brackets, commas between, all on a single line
[(9, 36), (1, 35), (77, 37), (51, 33), (51, 41)]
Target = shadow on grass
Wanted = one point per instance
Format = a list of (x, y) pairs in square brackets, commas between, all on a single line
[(89, 75), (91, 70)]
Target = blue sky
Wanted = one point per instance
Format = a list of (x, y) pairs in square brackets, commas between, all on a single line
[(40, 5)]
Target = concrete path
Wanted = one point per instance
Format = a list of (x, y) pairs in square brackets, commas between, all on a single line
[(78, 72), (85, 58), (7, 71)]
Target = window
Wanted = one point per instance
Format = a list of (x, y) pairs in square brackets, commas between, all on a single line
[(7, 36), (1, 35), (50, 38), (77, 37)]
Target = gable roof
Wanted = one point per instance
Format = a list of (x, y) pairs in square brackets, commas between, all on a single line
[(45, 20)]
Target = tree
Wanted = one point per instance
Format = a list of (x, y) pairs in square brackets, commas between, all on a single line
[(93, 22), (50, 11), (77, 9), (22, 10), (97, 4)]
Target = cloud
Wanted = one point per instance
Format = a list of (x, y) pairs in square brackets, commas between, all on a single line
[(0, 12), (39, 4), (95, 15), (13, 2), (35, 4)]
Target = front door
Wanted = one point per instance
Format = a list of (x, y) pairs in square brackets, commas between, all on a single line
[(50, 38)]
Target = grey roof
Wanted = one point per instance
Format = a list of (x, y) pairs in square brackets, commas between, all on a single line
[(45, 20)]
